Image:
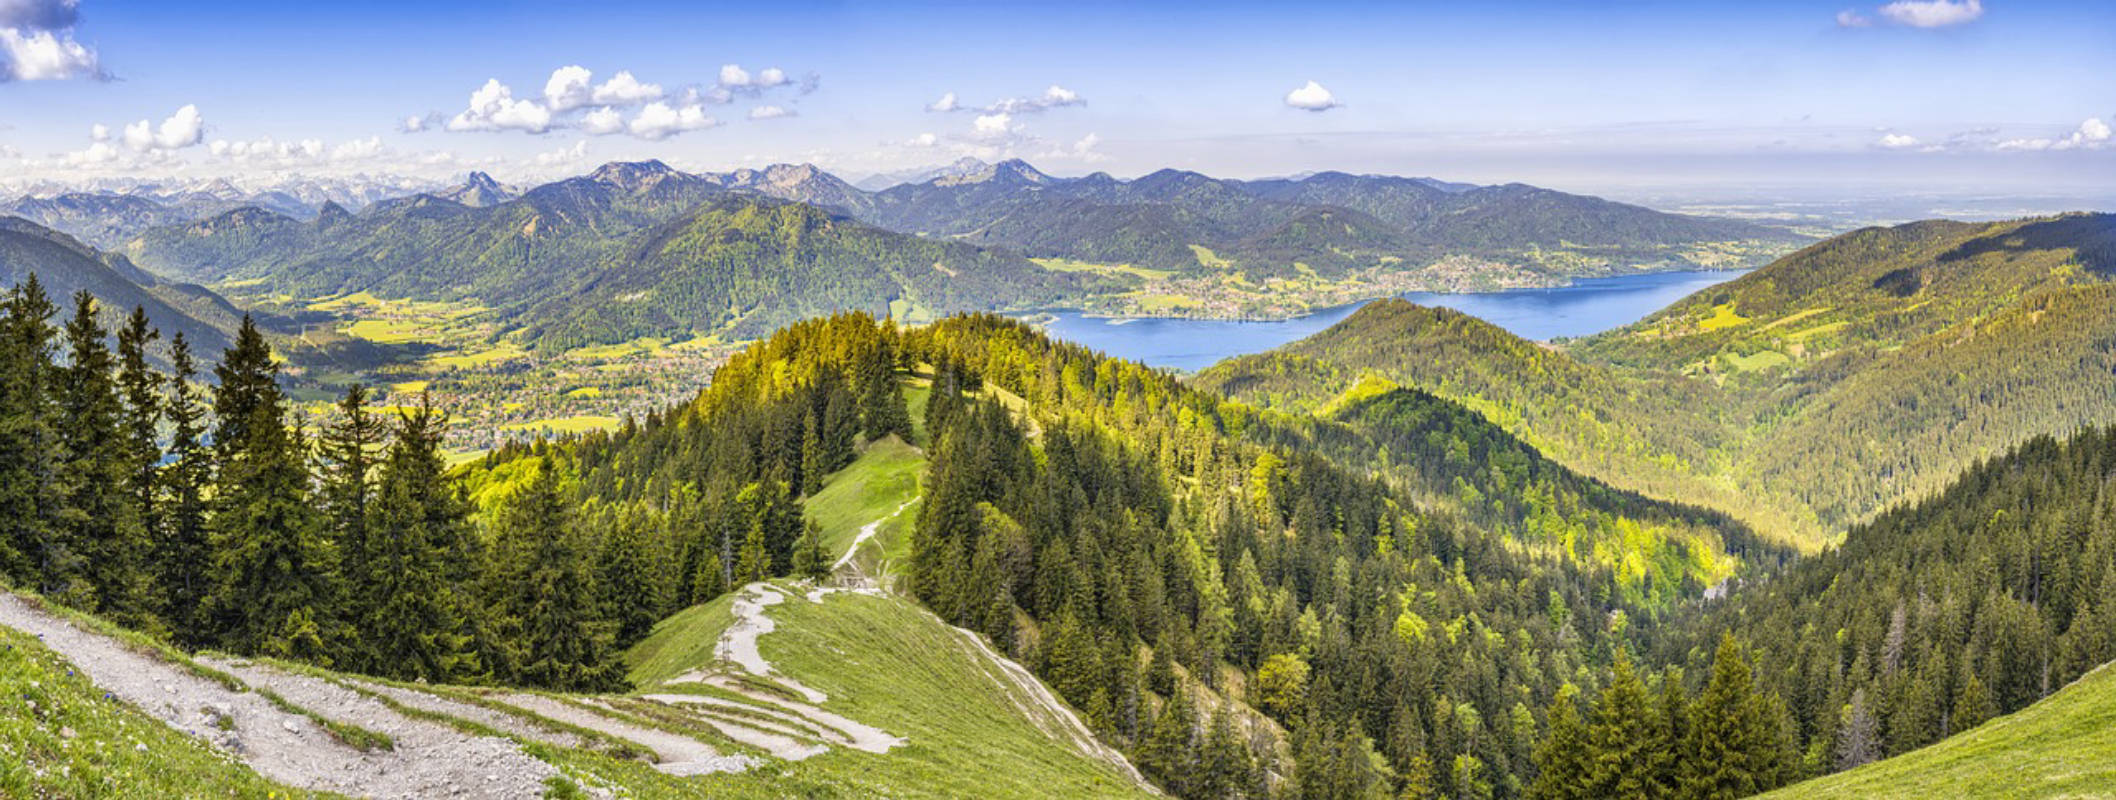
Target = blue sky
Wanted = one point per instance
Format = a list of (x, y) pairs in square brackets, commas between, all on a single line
[(1961, 95)]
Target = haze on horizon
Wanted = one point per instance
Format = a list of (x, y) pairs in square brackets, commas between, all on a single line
[(1793, 98)]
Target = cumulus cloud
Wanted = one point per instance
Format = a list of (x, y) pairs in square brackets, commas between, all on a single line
[(2091, 134), (1312, 97), (564, 155), (993, 126), (660, 121), (493, 107), (1054, 97), (1932, 13), (37, 42), (182, 129), (1853, 19), (624, 90), (602, 122), (1086, 150), (572, 99), (1897, 141), (928, 139)]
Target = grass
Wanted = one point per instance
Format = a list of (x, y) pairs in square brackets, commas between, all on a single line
[(504, 351), (76, 741), (388, 331), (1758, 361), (1818, 330), (585, 391), (1723, 317), (1070, 265), (1209, 259), (620, 350), (2062, 747), (963, 735), (581, 423), (409, 387), (876, 484)]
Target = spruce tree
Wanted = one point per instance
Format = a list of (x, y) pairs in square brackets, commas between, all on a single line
[(1723, 757), (412, 621), (182, 553), (140, 389), (630, 593), (101, 519), (1565, 759), (28, 497), (345, 456), (565, 644), (275, 570), (1626, 728), (1973, 707)]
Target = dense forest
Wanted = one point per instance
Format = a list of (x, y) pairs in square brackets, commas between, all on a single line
[(1397, 584)]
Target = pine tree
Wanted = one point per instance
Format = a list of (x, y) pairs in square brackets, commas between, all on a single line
[(1722, 757), (1626, 728), (274, 593), (101, 519), (882, 409), (1169, 754), (28, 497), (183, 555), (1565, 760), (1858, 733), (415, 621), (140, 389), (630, 593), (815, 463), (1973, 707), (566, 644), (345, 456)]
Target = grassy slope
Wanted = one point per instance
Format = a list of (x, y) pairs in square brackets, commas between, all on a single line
[(875, 485), (920, 681), (2064, 746), (78, 742)]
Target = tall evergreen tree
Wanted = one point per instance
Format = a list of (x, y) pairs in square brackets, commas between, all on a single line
[(140, 389), (416, 621), (565, 643), (101, 519), (1626, 728), (1724, 757), (275, 569), (626, 575), (346, 450), (183, 553), (28, 442), (1565, 758)]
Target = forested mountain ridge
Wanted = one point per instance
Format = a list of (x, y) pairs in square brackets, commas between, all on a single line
[(66, 266), (630, 250), (1803, 397)]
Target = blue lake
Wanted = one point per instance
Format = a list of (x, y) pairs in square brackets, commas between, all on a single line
[(1586, 307)]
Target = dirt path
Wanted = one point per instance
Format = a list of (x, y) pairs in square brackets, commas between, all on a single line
[(867, 531), (675, 753), (281, 746), (739, 643), (510, 724), (438, 759)]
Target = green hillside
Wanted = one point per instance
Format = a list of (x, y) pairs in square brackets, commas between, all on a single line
[(1803, 397), (65, 266), (2062, 747)]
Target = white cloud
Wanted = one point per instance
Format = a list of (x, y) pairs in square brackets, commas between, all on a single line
[(770, 112), (923, 140), (1897, 141), (413, 124), (97, 153), (1932, 13), (44, 55), (993, 126), (493, 107), (660, 121), (947, 102), (1086, 150), (357, 149), (39, 15), (733, 75), (1312, 97), (2091, 134), (182, 129), (1054, 97), (624, 90), (1060, 96), (99, 132), (1852, 19), (564, 155), (570, 87), (602, 122)]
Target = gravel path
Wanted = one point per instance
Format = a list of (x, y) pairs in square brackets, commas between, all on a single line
[(867, 531), (511, 724), (675, 753), (430, 759), (739, 643)]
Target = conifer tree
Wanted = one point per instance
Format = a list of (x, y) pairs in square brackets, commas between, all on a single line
[(416, 622), (1626, 727), (1565, 759), (1973, 707), (140, 390), (28, 499), (1723, 756), (182, 553), (345, 456), (564, 642), (101, 519), (630, 593), (274, 593)]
